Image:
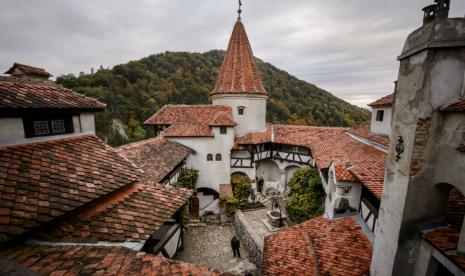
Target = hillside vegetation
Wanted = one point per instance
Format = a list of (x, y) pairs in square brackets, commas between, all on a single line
[(136, 90)]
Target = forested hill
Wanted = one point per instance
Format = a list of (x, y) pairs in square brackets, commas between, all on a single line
[(136, 90)]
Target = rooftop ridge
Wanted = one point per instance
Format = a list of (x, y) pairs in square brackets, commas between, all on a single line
[(239, 74)]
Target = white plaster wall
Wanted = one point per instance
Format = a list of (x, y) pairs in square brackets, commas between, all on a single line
[(211, 173), (172, 245), (381, 128), (254, 118), (87, 122), (11, 129)]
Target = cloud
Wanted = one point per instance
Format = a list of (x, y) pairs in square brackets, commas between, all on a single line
[(348, 47)]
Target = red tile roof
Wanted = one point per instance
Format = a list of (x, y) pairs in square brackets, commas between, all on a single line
[(306, 136), (130, 216), (45, 180), (226, 190), (364, 131), (28, 70), (335, 247), (457, 106), (343, 172), (254, 138), (18, 93), (239, 74), (385, 101), (157, 156), (368, 162), (90, 260), (446, 240), (191, 120)]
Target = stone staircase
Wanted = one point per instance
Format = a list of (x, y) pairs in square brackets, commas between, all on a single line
[(264, 200), (196, 223)]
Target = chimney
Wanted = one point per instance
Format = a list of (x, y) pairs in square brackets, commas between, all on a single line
[(438, 10), (443, 7)]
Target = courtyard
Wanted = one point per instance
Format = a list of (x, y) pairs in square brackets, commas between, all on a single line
[(210, 246)]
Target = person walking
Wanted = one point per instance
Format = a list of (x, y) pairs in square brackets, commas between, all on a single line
[(236, 245), (260, 184)]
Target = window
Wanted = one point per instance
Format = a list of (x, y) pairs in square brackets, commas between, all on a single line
[(218, 157), (223, 130), (209, 157), (47, 125), (241, 110), (380, 115)]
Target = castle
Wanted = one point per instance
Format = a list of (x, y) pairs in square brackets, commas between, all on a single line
[(394, 187)]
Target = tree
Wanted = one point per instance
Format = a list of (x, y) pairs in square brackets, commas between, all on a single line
[(307, 195), (242, 188)]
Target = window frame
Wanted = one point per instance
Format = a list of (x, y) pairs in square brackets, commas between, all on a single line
[(380, 115), (209, 157), (218, 157), (29, 121), (223, 130), (241, 110)]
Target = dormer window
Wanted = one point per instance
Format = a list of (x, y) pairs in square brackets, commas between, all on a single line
[(241, 110), (380, 115), (47, 125)]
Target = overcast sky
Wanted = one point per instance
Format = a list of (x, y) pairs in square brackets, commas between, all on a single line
[(348, 47)]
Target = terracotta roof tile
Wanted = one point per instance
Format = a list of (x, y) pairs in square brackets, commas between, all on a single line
[(364, 131), (45, 180), (254, 138), (130, 216), (29, 70), (385, 101), (191, 120), (157, 156), (368, 162), (90, 260), (343, 172), (446, 240), (239, 74), (340, 246), (18, 93), (306, 136), (457, 106), (226, 190)]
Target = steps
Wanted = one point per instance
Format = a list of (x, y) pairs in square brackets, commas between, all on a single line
[(196, 223), (264, 200)]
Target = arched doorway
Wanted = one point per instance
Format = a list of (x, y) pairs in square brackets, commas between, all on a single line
[(269, 171), (290, 170)]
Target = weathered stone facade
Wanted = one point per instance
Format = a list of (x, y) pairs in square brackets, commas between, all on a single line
[(253, 245), (417, 184)]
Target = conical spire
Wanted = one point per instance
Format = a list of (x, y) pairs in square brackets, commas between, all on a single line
[(238, 74)]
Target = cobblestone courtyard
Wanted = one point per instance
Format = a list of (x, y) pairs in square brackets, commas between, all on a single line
[(210, 246)]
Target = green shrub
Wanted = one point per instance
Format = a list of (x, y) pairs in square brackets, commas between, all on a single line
[(231, 203), (307, 195), (242, 188), (187, 179)]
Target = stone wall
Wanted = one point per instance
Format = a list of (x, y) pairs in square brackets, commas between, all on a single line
[(253, 245)]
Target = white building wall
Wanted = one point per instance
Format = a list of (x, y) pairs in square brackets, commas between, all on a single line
[(11, 129), (84, 123), (381, 127), (211, 173), (254, 118)]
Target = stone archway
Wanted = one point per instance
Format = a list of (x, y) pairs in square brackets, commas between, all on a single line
[(289, 171), (269, 171)]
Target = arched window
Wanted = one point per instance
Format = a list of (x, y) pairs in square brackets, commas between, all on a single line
[(209, 157), (241, 110), (218, 157)]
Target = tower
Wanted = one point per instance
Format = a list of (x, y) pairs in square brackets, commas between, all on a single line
[(425, 162), (239, 85)]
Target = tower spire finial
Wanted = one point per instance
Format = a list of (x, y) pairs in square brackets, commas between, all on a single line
[(239, 11)]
